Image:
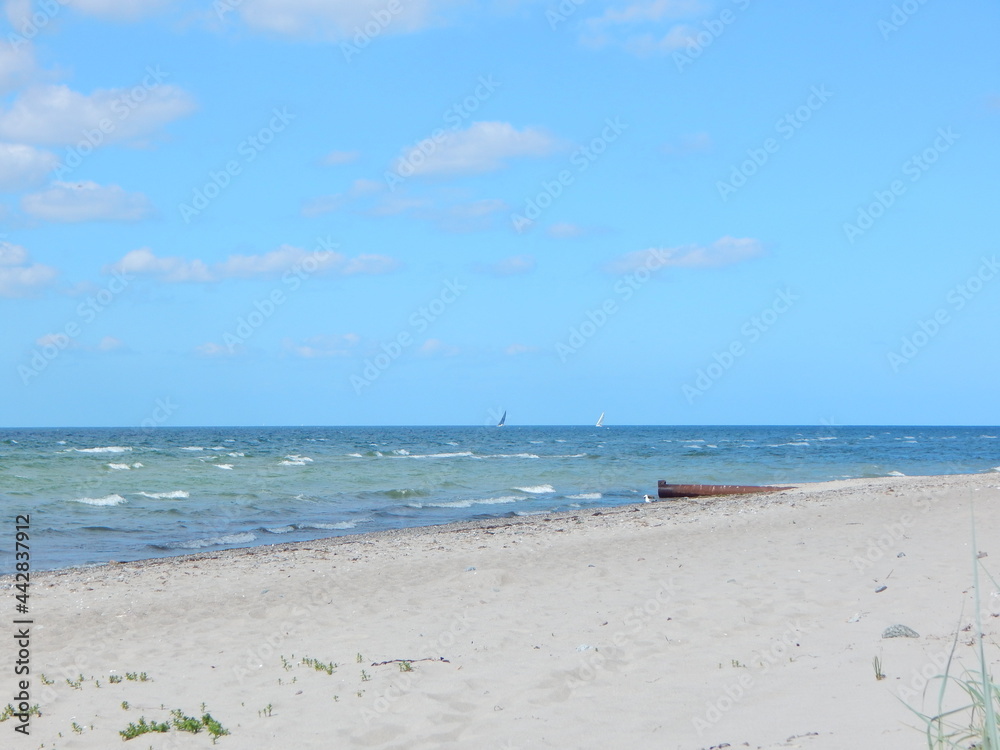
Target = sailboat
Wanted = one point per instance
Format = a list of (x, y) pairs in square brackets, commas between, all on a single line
[(502, 419), (600, 420)]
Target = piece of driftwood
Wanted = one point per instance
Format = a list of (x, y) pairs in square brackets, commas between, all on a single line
[(393, 661), (665, 490)]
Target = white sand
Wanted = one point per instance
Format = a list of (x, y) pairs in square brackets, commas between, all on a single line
[(681, 624)]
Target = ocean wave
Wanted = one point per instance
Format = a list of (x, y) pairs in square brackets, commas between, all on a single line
[(796, 443), (988, 437), (896, 474), (227, 467), (824, 438), (296, 460), (458, 454), (107, 500), (242, 538), (585, 496), (400, 494), (514, 455), (119, 467), (401, 452), (339, 526), (175, 495), (355, 455), (105, 449), (466, 503), (236, 454), (537, 489), (193, 448)]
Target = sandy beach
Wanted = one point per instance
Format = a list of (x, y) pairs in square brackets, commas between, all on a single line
[(685, 624)]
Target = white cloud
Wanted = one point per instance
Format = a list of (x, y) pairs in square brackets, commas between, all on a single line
[(725, 251), (18, 276), (23, 167), (639, 26), (514, 349), (267, 265), (564, 231), (482, 147), (111, 344), (515, 264), (120, 10), (335, 158), (70, 202), (318, 347), (650, 10), (335, 19), (56, 115), (17, 62), (325, 204), (211, 349), (437, 348)]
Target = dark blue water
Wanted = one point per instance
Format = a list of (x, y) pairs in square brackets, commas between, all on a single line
[(101, 494)]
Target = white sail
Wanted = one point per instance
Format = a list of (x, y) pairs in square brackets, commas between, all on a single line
[(502, 420), (600, 420)]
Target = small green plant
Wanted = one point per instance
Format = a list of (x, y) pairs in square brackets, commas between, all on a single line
[(360, 658), (125, 706), (286, 664), (360, 693), (266, 711), (115, 679), (977, 721), (77, 728), (185, 723), (76, 684), (736, 664), (405, 666), (365, 676), (336, 698), (318, 665), (140, 677), (877, 664), (45, 681), (134, 730), (214, 727)]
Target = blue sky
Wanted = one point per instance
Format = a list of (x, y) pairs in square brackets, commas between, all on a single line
[(390, 212)]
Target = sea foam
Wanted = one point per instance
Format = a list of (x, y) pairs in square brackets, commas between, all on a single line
[(107, 500)]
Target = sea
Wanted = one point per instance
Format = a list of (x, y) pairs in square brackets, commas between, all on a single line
[(95, 495)]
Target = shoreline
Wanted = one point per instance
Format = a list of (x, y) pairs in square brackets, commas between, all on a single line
[(676, 624), (499, 521)]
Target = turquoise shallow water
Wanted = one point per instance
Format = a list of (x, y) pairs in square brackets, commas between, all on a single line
[(101, 494)]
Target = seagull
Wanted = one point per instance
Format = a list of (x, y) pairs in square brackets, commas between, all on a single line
[(648, 498)]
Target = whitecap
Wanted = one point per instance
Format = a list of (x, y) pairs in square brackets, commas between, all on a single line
[(459, 454), (192, 448), (896, 474), (355, 455), (228, 467), (106, 449), (401, 452), (137, 465), (119, 467), (585, 496), (175, 495), (512, 455), (988, 437), (237, 454), (537, 489), (107, 500), (280, 529), (467, 503)]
